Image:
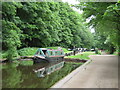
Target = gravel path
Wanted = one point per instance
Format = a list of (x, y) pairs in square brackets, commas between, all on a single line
[(102, 72)]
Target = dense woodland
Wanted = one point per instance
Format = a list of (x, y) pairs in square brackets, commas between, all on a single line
[(44, 24)]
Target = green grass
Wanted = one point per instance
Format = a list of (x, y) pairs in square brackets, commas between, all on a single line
[(115, 53), (52, 47), (84, 55), (64, 49), (27, 51)]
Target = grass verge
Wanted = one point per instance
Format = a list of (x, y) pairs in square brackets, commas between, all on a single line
[(84, 55)]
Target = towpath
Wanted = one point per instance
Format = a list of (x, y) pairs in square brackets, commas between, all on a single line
[(102, 72)]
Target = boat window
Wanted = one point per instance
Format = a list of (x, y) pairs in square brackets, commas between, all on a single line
[(61, 53), (45, 52), (51, 53), (40, 53), (56, 53)]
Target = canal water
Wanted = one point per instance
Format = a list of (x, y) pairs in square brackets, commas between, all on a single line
[(15, 75)]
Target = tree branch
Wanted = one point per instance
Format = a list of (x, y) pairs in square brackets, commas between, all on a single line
[(117, 13)]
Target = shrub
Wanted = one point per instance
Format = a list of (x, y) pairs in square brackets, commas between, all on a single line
[(96, 51), (3, 54), (11, 53), (27, 51)]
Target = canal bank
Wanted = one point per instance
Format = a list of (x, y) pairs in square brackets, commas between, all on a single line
[(60, 83), (102, 72)]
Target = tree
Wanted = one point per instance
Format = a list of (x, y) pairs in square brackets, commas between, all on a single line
[(10, 32), (104, 18), (42, 24), (11, 38)]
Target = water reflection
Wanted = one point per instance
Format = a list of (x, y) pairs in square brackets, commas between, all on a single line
[(11, 76), (18, 76), (15, 75)]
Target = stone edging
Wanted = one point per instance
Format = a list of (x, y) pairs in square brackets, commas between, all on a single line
[(69, 76)]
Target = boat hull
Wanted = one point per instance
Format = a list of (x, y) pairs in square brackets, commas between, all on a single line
[(48, 59)]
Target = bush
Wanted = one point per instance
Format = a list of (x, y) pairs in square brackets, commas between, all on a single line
[(99, 52), (3, 54), (10, 54), (27, 51), (96, 51), (65, 50)]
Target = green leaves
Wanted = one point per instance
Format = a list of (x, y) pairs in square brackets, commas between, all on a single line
[(42, 24), (11, 38), (106, 21), (11, 34)]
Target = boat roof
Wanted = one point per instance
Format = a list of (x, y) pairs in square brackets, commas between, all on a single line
[(43, 48), (51, 49)]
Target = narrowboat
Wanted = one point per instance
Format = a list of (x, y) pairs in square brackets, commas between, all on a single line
[(49, 55)]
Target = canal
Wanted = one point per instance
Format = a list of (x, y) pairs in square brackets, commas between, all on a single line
[(16, 75)]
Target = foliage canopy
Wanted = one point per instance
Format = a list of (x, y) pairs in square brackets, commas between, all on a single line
[(42, 24)]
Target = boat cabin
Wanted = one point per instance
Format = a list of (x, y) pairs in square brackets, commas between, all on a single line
[(49, 52)]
